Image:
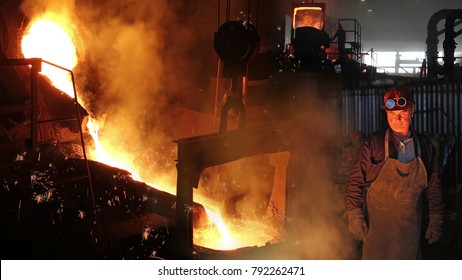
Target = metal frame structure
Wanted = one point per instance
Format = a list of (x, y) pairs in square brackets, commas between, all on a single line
[(36, 68), (197, 153)]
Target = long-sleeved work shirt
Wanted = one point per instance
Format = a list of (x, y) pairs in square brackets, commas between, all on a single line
[(370, 159)]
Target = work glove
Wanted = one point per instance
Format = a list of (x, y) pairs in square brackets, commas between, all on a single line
[(357, 224), (434, 230)]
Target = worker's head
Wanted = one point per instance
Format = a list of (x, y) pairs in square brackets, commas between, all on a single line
[(398, 98), (398, 103)]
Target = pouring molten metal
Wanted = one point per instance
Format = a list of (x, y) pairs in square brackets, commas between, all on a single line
[(51, 38), (47, 38)]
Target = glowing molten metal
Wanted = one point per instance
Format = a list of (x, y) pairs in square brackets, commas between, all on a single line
[(51, 38), (46, 39)]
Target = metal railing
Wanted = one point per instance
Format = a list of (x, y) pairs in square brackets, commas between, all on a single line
[(36, 67)]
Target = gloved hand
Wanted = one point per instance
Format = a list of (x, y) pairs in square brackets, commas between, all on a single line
[(434, 230), (357, 224)]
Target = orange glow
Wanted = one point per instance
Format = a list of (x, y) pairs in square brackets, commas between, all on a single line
[(100, 154), (48, 39), (228, 235), (308, 16), (220, 239), (225, 241)]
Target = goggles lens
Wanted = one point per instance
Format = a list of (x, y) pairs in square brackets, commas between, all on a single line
[(400, 102)]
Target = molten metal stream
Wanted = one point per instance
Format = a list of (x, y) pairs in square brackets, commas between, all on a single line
[(47, 39), (50, 38)]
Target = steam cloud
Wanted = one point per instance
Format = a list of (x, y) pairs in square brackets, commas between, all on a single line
[(315, 227), (137, 58), (140, 57)]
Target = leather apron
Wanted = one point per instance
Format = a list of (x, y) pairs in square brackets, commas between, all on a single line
[(394, 208)]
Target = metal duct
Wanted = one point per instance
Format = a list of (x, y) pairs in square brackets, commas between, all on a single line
[(432, 41), (449, 43), (450, 15)]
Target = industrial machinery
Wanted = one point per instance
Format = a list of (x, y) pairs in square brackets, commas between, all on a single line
[(288, 118), (449, 70), (311, 48)]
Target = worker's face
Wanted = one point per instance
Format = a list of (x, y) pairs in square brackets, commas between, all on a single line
[(400, 120)]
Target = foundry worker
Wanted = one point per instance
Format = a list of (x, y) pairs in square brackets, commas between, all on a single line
[(340, 36), (394, 174)]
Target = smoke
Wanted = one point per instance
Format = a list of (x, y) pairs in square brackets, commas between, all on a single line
[(251, 188), (124, 72), (315, 227), (139, 58), (32, 8)]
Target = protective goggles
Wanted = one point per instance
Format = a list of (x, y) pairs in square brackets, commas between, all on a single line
[(393, 103)]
